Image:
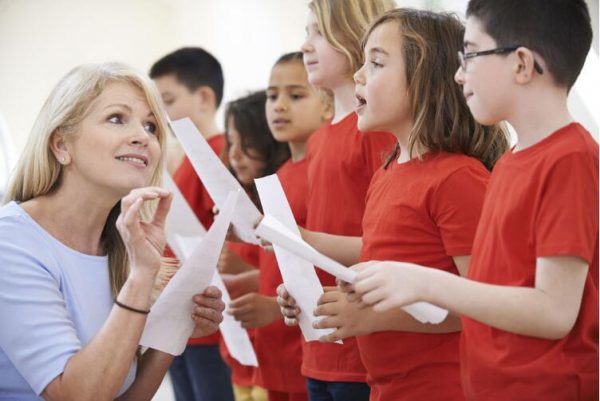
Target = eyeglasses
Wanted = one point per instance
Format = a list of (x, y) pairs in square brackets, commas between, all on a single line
[(463, 57)]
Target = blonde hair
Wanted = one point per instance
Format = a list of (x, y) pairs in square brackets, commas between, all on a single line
[(343, 23), (441, 118), (38, 172)]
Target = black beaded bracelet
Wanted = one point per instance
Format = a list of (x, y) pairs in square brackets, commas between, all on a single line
[(129, 308)]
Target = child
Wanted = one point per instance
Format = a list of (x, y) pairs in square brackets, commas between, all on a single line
[(530, 305), (253, 153), (295, 109), (342, 161), (190, 81), (423, 205)]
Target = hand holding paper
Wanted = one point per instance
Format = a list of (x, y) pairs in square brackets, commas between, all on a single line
[(272, 230), (298, 275), (169, 324)]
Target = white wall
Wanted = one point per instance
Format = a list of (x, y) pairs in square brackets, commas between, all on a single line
[(40, 40)]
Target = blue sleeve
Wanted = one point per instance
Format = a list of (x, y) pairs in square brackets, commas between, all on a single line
[(36, 334)]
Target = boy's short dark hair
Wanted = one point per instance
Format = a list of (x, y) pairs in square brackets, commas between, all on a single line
[(193, 67), (293, 56), (559, 30)]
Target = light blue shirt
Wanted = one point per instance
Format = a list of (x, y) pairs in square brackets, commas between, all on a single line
[(53, 300)]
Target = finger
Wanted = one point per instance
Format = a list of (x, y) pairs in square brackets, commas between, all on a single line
[(290, 312), (365, 284), (325, 323), (384, 306), (328, 309), (284, 303), (132, 215), (373, 297), (361, 266), (160, 215), (148, 193), (241, 301), (205, 315), (328, 297), (238, 311), (331, 338), (212, 292), (290, 321), (209, 302), (282, 292)]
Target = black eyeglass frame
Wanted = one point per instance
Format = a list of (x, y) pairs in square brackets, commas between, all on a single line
[(463, 57)]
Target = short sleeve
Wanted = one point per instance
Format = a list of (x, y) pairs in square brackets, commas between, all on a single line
[(456, 208), (567, 218), (37, 334)]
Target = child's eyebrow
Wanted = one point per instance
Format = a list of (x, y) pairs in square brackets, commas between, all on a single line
[(378, 50)]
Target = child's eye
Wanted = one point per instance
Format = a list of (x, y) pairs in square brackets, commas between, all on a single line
[(271, 97), (115, 119), (296, 96), (150, 127), (376, 64)]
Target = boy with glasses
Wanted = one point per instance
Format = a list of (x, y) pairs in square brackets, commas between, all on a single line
[(530, 303)]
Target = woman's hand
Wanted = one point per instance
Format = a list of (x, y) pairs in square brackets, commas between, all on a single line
[(144, 241), (208, 312), (288, 307)]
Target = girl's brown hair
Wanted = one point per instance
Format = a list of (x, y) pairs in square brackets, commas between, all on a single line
[(441, 118)]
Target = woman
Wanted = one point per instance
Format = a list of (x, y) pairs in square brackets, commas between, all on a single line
[(72, 242)]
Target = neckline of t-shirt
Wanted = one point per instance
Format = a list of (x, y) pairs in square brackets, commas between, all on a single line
[(343, 120), (429, 155), (38, 227), (539, 146)]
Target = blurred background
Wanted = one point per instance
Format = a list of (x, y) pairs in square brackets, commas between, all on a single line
[(41, 40)]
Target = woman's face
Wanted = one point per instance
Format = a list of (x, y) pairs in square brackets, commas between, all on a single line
[(115, 148), (247, 165)]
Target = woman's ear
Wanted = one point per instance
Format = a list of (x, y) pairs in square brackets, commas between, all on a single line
[(59, 148)]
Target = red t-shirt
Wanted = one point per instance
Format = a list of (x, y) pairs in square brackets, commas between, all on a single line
[(201, 203), (422, 211), (241, 375), (279, 347), (342, 161), (541, 201)]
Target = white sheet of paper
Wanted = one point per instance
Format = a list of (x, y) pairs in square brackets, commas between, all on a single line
[(235, 336), (298, 275), (276, 233), (184, 233), (181, 218), (217, 180), (169, 324)]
